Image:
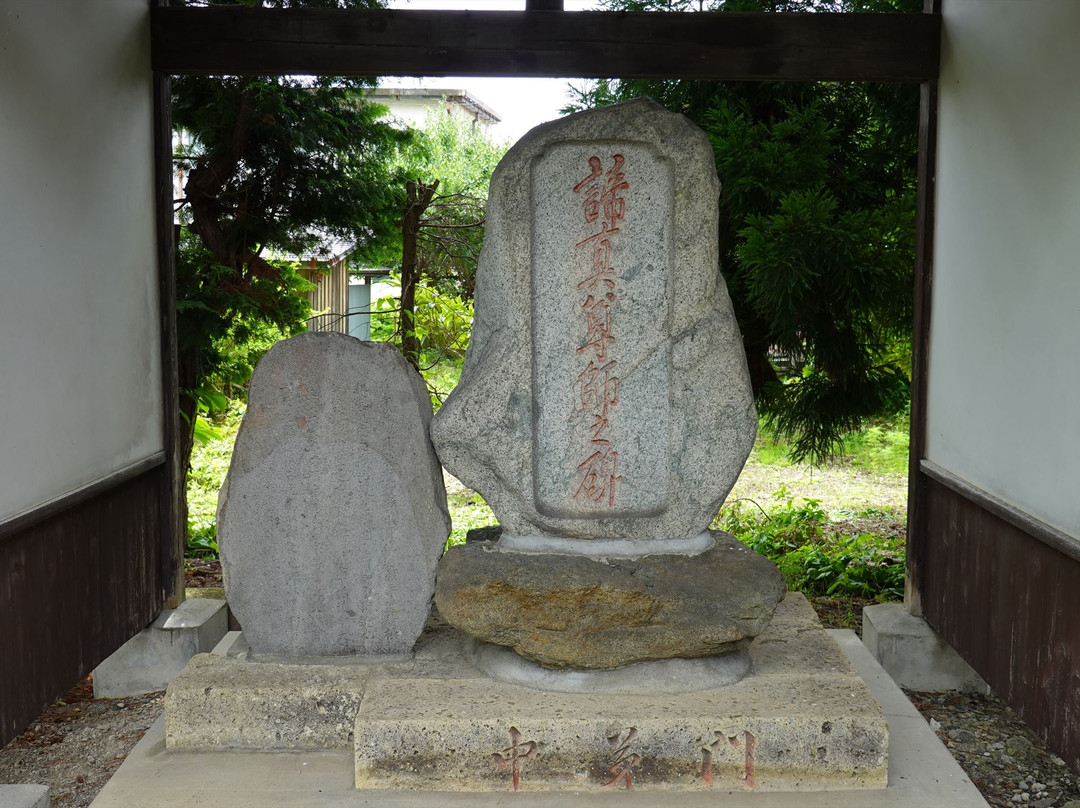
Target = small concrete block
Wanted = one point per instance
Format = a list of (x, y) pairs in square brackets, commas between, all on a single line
[(784, 727), (913, 655), (150, 659), (228, 703), (194, 613), (24, 796), (232, 644)]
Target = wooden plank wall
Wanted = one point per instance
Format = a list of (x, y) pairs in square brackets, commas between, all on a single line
[(73, 588), (1009, 603)]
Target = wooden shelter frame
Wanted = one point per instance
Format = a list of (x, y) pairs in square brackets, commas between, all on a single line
[(977, 567)]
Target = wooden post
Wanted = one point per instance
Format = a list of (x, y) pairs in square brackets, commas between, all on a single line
[(920, 345), (172, 533)]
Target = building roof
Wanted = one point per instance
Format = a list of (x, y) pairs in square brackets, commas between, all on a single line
[(435, 95)]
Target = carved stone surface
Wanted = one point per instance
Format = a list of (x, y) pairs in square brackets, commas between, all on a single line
[(333, 516), (583, 613), (605, 391)]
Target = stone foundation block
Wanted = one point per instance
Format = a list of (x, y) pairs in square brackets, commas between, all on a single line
[(803, 720), (228, 703), (226, 700)]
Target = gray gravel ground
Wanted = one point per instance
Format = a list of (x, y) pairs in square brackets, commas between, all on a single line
[(1008, 762)]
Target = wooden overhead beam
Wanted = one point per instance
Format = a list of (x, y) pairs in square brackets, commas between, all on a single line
[(586, 44)]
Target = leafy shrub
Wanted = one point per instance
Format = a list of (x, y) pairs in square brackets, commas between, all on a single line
[(814, 559), (443, 326), (443, 322)]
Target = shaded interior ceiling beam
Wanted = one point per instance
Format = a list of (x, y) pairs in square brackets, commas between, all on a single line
[(596, 44)]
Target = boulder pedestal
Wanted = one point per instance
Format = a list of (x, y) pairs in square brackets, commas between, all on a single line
[(572, 611)]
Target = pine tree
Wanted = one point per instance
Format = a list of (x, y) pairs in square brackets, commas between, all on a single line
[(817, 229)]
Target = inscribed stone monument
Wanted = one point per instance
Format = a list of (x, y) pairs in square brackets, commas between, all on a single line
[(333, 515), (604, 639), (604, 410), (605, 393)]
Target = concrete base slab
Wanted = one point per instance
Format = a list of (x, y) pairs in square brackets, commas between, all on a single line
[(801, 720), (226, 703), (24, 796), (149, 660), (922, 774), (913, 654)]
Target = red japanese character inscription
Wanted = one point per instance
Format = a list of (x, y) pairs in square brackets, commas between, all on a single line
[(598, 384)]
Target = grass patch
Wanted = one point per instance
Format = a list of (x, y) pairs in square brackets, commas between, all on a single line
[(467, 511), (881, 447)]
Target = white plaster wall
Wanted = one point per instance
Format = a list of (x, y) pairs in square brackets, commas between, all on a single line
[(1004, 385), (80, 370)]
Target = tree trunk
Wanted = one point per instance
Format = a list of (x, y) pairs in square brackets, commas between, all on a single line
[(419, 197)]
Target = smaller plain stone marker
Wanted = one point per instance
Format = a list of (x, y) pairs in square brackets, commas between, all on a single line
[(333, 515)]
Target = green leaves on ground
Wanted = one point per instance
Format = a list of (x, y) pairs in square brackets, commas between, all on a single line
[(815, 556)]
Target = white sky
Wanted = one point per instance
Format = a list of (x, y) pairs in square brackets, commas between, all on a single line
[(521, 103)]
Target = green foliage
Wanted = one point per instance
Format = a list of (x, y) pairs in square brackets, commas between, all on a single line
[(273, 165), (461, 158), (814, 559), (443, 322), (209, 465), (881, 446), (221, 335), (816, 230)]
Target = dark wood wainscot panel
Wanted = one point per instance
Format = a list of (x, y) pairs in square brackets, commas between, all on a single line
[(73, 588), (1004, 590)]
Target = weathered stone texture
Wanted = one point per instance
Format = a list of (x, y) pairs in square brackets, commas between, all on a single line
[(605, 391), (578, 612), (333, 516)]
